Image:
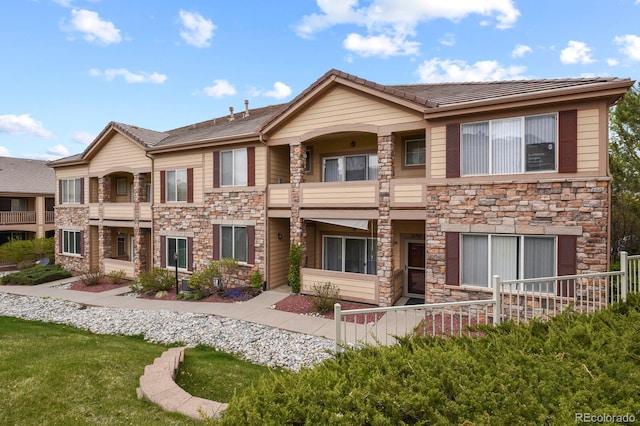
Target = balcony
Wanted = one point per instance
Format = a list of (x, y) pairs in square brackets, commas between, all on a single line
[(49, 217), (279, 195), (18, 218), (111, 265), (353, 287), (355, 194), (408, 192), (120, 211)]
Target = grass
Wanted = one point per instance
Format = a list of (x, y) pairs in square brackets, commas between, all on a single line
[(217, 375), (55, 374)]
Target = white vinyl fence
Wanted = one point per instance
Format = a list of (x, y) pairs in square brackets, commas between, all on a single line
[(516, 300)]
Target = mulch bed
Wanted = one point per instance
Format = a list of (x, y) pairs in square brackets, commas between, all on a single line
[(240, 294), (105, 285), (301, 304)]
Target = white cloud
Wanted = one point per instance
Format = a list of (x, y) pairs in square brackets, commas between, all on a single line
[(4, 152), (58, 150), (63, 3), (280, 91), (448, 39), (520, 50), (129, 77), (630, 45), (441, 71), (93, 28), (576, 52), (219, 89), (22, 124), (393, 21), (381, 45), (82, 138), (197, 30), (612, 62)]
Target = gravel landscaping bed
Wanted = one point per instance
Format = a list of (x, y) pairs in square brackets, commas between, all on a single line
[(254, 342)]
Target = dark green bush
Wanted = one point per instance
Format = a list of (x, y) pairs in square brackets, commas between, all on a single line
[(24, 252), (293, 275), (36, 275), (538, 373)]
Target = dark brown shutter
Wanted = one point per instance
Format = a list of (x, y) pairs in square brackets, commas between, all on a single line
[(81, 243), (453, 150), (81, 190), (568, 141), (163, 252), (189, 186), (60, 235), (216, 242), (163, 186), (251, 245), (251, 167), (452, 258), (60, 191), (190, 254), (567, 263), (216, 169)]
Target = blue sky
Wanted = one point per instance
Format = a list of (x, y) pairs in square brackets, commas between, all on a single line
[(71, 66)]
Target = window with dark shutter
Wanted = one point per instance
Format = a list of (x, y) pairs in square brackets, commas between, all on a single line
[(216, 242), (251, 245), (251, 167), (452, 258), (190, 185), (81, 190), (568, 141), (163, 186), (190, 254), (453, 150), (216, 169)]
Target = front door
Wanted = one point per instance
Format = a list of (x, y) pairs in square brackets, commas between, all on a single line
[(414, 269)]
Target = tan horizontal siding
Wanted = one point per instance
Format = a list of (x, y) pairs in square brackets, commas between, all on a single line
[(407, 193), (350, 289), (588, 140), (119, 151), (278, 252), (336, 195), (438, 158), (340, 107), (261, 165), (279, 196)]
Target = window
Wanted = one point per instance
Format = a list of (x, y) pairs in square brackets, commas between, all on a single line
[(350, 254), (353, 167), (18, 205), (71, 242), (178, 245), (415, 152), (510, 257), (513, 145), (233, 242), (71, 190), (121, 186), (309, 160), (122, 246), (176, 185), (233, 167)]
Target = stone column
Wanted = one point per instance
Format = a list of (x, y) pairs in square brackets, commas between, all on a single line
[(297, 168), (385, 226)]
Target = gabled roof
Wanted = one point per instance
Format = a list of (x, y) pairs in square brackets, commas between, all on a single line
[(21, 175), (427, 98)]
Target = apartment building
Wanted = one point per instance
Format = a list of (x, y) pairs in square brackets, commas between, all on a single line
[(27, 190), (423, 190)]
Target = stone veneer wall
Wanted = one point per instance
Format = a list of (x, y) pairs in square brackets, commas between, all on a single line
[(385, 225), (197, 222), (561, 207), (73, 218)]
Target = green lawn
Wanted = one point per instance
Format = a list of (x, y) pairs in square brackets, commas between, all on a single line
[(55, 374)]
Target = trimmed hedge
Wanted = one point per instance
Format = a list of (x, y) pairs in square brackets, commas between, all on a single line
[(535, 373), (36, 275)]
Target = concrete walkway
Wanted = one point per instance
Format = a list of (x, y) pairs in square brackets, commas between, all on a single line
[(257, 310)]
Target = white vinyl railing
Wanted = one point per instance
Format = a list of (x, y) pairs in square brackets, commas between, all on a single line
[(513, 300)]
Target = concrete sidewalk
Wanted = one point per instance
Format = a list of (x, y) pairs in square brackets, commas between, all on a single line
[(257, 310)]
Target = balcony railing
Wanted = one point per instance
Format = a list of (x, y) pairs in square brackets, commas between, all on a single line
[(353, 287), (17, 218), (49, 217), (340, 194)]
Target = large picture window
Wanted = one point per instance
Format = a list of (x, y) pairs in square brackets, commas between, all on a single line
[(350, 254), (512, 145), (71, 242), (176, 185), (351, 167), (233, 242), (233, 167), (509, 256), (177, 245), (71, 191)]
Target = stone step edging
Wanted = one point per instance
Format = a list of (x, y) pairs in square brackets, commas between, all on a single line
[(158, 385)]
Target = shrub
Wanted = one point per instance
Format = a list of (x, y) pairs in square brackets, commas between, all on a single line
[(256, 279), (117, 277), (295, 258), (325, 295), (36, 275), (224, 270), (202, 281), (92, 278), (24, 252), (535, 373), (157, 279)]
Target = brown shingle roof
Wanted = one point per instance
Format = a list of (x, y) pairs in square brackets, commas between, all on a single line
[(26, 176)]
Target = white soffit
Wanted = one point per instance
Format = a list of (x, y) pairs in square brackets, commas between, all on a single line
[(348, 223)]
